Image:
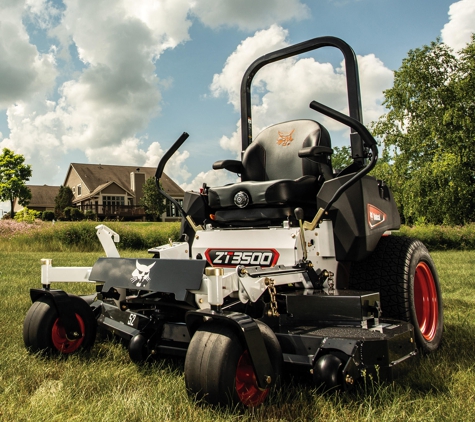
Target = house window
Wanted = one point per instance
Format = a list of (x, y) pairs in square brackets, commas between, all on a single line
[(79, 190), (113, 200), (172, 210)]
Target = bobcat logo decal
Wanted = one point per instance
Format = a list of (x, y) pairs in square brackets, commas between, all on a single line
[(285, 139), (141, 274)]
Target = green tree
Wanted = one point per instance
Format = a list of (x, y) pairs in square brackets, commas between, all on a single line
[(63, 200), (13, 175), (428, 156), (341, 158), (152, 200)]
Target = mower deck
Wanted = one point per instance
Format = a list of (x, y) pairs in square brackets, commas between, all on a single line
[(316, 324)]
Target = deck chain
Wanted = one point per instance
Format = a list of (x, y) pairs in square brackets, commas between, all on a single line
[(269, 282)]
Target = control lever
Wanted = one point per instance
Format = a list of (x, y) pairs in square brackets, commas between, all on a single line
[(299, 215)]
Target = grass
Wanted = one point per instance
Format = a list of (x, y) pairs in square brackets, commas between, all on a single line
[(104, 385), (81, 236), (443, 237)]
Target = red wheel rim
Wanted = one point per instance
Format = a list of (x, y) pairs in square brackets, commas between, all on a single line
[(426, 301), (61, 341), (246, 383)]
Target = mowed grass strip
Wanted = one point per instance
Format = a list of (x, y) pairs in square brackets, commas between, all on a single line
[(104, 385)]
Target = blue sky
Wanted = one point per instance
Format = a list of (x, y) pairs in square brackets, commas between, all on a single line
[(117, 81)]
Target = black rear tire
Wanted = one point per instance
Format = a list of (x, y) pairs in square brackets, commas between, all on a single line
[(43, 331), (218, 368), (403, 272)]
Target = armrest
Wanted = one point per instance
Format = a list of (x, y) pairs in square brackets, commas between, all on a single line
[(233, 166), (314, 151)]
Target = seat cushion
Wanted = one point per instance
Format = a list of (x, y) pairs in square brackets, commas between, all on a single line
[(270, 192)]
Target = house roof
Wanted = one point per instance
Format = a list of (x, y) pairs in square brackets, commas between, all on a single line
[(97, 191), (95, 175), (42, 196)]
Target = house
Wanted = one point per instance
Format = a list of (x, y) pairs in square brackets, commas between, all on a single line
[(115, 191), (42, 198), (108, 191)]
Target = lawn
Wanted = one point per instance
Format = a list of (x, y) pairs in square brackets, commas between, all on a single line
[(104, 385)]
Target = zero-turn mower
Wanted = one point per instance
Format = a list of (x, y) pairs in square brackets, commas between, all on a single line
[(292, 268)]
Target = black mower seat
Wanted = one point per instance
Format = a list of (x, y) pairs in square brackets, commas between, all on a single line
[(285, 165)]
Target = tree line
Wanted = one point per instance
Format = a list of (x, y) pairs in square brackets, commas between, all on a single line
[(428, 133)]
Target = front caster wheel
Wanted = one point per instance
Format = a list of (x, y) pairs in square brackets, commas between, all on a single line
[(218, 368), (43, 330)]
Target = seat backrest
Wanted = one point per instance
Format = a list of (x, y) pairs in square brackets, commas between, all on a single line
[(274, 152)]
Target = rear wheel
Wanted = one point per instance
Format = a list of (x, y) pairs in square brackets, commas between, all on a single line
[(219, 370), (43, 330), (403, 272)]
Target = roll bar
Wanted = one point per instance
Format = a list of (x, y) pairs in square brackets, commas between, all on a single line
[(352, 82)]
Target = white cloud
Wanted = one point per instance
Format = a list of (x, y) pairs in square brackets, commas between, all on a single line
[(229, 80), (128, 152), (24, 72), (233, 143), (42, 12), (248, 15), (211, 178), (458, 31), (175, 167), (374, 79), (132, 151), (99, 110)]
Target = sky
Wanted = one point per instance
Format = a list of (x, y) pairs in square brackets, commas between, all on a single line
[(118, 81)]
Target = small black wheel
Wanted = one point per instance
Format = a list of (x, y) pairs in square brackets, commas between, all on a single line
[(327, 371), (44, 332), (403, 272), (218, 368), (138, 349)]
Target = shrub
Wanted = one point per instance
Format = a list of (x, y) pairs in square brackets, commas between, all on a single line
[(90, 215), (73, 214), (47, 216), (437, 237), (67, 213), (76, 214), (78, 234), (10, 229), (26, 215)]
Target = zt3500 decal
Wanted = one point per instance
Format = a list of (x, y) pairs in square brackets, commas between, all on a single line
[(231, 258)]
